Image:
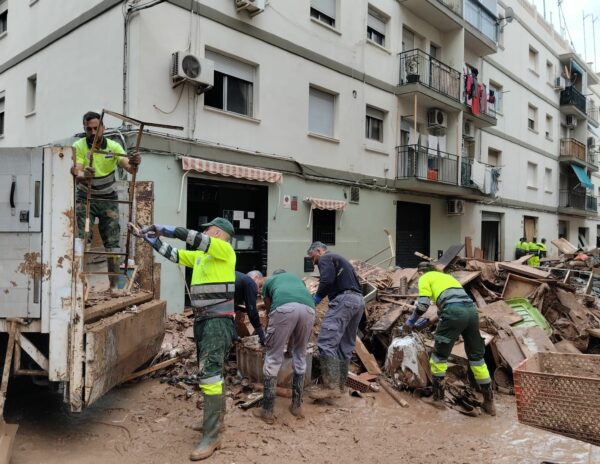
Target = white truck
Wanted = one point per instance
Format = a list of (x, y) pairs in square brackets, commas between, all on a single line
[(86, 349)]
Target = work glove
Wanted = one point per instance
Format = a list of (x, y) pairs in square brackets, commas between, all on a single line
[(421, 323), (261, 335), (317, 299), (151, 239), (135, 159), (410, 323), (85, 175), (158, 230)]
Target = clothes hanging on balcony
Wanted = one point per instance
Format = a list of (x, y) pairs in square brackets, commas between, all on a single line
[(475, 105), (478, 174), (491, 97)]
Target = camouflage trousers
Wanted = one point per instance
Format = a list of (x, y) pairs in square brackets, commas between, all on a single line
[(107, 213), (213, 339)]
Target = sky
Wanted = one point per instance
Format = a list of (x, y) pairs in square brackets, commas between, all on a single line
[(573, 12)]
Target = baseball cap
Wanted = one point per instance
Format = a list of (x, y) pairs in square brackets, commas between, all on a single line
[(222, 224)]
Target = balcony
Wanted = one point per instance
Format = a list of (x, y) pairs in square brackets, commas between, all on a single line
[(592, 114), (574, 151), (573, 102), (481, 28), (444, 15), (420, 72), (571, 201), (417, 162)]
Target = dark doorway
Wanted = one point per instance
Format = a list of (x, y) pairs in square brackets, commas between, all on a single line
[(490, 239), (412, 232), (246, 206)]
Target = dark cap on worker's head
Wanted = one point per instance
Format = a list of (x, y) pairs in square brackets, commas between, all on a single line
[(222, 224), (314, 246), (425, 266)]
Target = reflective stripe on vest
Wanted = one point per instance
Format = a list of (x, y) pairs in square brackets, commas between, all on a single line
[(101, 185), (211, 300)]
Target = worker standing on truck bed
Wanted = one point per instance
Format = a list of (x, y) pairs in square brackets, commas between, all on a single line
[(98, 173), (337, 337), (212, 296)]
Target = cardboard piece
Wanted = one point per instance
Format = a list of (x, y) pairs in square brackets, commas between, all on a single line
[(518, 286), (501, 313)]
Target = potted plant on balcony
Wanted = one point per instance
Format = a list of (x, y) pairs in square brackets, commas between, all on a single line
[(411, 65)]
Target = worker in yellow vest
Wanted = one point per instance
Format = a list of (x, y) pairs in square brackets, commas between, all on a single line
[(543, 249), (521, 248), (533, 249)]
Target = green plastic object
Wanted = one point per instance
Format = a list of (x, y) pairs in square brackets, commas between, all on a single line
[(530, 314)]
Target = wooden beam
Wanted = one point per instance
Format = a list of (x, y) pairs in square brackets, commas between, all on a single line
[(144, 215), (366, 358), (390, 391), (114, 305)]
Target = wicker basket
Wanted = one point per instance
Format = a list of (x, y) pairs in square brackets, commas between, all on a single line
[(560, 392)]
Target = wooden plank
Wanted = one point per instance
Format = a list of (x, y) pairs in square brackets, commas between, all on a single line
[(156, 367), (464, 277), (398, 274), (566, 346), (522, 260), (594, 333), (506, 348), (144, 215), (518, 286), (468, 247), (478, 254), (564, 246), (479, 301), (449, 255), (501, 313), (110, 307), (390, 391), (532, 340), (527, 271), (366, 358), (389, 318), (458, 350)]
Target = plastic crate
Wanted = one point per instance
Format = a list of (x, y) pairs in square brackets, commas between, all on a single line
[(560, 392)]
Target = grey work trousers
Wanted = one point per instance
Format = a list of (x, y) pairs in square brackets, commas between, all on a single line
[(340, 326), (289, 323)]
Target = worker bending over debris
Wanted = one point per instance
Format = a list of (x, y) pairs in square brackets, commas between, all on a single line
[(211, 294), (457, 316), (337, 337), (246, 290), (291, 318)]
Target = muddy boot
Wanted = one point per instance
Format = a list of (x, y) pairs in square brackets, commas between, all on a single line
[(343, 376), (199, 428), (266, 412), (297, 388), (211, 440), (437, 399), (112, 265), (488, 405), (330, 372)]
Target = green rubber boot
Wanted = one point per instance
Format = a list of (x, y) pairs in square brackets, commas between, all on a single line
[(199, 427), (266, 412), (210, 440), (297, 389), (330, 372), (343, 376)]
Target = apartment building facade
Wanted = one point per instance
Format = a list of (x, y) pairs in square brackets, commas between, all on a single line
[(323, 119)]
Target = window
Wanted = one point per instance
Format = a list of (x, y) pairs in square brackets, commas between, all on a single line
[(550, 72), (324, 226), (3, 16), (494, 157), (31, 91), (2, 98), (531, 175), (233, 85), (532, 117), (408, 39), (533, 59), (374, 124), (548, 180), (496, 91), (549, 124), (376, 27), (434, 51), (321, 114), (324, 11)]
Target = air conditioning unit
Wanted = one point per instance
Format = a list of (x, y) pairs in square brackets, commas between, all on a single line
[(253, 7), (571, 121), (437, 119), (186, 67), (559, 83), (456, 207), (468, 130)]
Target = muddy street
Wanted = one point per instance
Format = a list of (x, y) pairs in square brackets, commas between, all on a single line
[(150, 422)]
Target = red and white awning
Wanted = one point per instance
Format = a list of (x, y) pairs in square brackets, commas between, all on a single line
[(230, 170), (332, 205)]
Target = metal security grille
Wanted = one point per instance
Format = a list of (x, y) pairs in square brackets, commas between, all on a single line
[(324, 226)]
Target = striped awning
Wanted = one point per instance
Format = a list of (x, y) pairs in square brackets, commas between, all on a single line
[(230, 170), (332, 205)]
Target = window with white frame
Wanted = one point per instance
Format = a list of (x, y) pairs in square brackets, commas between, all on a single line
[(31, 94), (533, 59), (548, 180), (532, 117), (324, 11), (233, 85), (321, 112), (494, 157), (532, 175), (3, 16), (376, 24), (549, 126), (374, 124), (2, 100), (496, 91)]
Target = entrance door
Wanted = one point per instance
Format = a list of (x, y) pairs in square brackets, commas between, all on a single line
[(490, 235), (529, 226), (412, 232)]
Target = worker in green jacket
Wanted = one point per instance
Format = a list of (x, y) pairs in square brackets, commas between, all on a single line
[(212, 297), (457, 316)]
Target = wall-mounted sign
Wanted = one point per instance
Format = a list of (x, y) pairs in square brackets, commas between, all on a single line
[(287, 201)]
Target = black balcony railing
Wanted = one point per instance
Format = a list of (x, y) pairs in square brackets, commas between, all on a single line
[(418, 66), (454, 5), (427, 164), (572, 96), (483, 20), (577, 200)]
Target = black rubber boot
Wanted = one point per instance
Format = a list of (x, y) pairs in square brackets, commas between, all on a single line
[(330, 372), (437, 399), (200, 428), (297, 389), (112, 265), (210, 425), (266, 412), (488, 399), (343, 376)]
